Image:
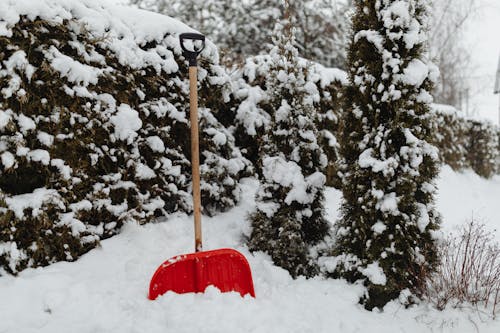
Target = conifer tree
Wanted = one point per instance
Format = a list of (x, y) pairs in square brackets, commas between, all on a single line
[(244, 28), (290, 215), (386, 233)]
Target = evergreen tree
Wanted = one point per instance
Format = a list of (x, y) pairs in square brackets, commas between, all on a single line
[(322, 30), (244, 28), (290, 215), (385, 236)]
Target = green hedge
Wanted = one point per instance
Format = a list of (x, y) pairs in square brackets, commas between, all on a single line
[(94, 133), (465, 143)]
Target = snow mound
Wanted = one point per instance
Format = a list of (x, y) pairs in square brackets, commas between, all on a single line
[(126, 29)]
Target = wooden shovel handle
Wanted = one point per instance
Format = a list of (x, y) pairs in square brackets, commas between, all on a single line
[(195, 155)]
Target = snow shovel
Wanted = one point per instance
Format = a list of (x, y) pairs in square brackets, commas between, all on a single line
[(226, 269)]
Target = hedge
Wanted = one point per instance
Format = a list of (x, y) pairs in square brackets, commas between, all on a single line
[(94, 129)]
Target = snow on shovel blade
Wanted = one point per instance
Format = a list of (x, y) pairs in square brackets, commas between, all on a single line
[(226, 269)]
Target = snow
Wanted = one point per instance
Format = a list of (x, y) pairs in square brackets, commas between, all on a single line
[(366, 160), (71, 69), (248, 113), (415, 73), (142, 171), (130, 29), (22, 151), (218, 137), (371, 36), (8, 160), (15, 254), (446, 109), (25, 123), (65, 170), (35, 200), (485, 52), (396, 15), (283, 112), (374, 273), (105, 290), (379, 227), (329, 75), (289, 174), (82, 205), (45, 138), (468, 196), (423, 217), (4, 119), (400, 14), (16, 61), (127, 123), (156, 144), (388, 203), (39, 155)]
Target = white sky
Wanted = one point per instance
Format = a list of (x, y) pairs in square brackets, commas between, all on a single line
[(483, 38)]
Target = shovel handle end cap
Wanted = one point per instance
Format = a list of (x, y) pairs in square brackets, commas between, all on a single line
[(191, 55)]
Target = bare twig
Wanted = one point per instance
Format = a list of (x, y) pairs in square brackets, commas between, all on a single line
[(469, 271)]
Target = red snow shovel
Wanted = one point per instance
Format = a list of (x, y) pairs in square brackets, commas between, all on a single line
[(226, 269)]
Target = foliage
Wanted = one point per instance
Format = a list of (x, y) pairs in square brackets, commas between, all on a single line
[(89, 141), (465, 143), (450, 136), (483, 148), (244, 28), (252, 109), (385, 233), (290, 216)]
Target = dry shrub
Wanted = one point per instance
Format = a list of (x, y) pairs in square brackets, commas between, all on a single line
[(469, 271)]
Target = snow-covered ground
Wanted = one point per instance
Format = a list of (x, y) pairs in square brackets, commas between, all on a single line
[(105, 290), (465, 196)]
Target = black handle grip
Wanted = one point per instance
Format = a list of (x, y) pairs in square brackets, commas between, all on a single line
[(191, 54)]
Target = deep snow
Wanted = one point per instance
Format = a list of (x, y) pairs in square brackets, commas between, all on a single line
[(105, 290), (465, 196)]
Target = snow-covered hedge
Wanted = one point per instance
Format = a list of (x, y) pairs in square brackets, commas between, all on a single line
[(483, 148), (449, 134), (465, 143), (94, 127)]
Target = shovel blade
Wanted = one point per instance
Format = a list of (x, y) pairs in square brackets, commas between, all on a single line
[(226, 269)]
